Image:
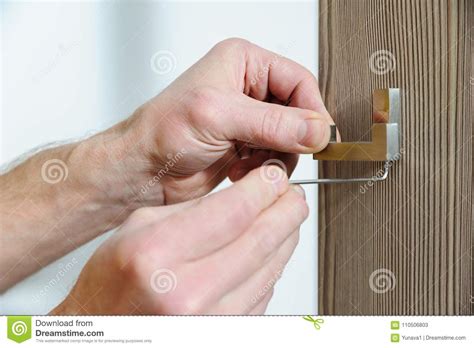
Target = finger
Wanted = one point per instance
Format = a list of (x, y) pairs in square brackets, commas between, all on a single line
[(251, 292), (227, 268), (143, 217), (202, 182), (277, 127), (285, 80), (220, 218), (269, 74), (142, 220), (306, 95), (286, 161), (240, 168), (266, 75), (261, 307)]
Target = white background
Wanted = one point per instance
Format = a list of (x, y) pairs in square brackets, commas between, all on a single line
[(69, 69)]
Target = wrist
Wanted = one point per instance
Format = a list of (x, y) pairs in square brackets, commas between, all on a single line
[(115, 168)]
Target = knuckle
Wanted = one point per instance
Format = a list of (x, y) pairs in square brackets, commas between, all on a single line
[(252, 197), (185, 303), (132, 266), (240, 215), (142, 214), (272, 124), (295, 238), (192, 306), (231, 44), (250, 203), (202, 106), (303, 208), (265, 242), (292, 243), (309, 76), (249, 206), (298, 206)]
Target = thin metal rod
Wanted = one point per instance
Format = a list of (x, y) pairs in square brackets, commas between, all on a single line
[(384, 176)]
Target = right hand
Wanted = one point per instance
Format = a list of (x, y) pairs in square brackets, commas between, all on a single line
[(238, 97), (220, 254)]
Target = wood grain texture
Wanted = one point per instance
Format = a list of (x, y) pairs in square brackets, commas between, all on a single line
[(414, 230)]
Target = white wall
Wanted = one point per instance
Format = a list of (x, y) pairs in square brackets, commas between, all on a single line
[(69, 69)]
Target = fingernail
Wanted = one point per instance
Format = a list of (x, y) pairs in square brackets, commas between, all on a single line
[(313, 132), (299, 190)]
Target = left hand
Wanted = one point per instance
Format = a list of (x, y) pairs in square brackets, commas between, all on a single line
[(204, 256)]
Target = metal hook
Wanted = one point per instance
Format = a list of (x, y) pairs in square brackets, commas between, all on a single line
[(385, 144), (384, 176)]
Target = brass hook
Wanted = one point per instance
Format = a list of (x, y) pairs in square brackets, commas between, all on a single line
[(385, 144)]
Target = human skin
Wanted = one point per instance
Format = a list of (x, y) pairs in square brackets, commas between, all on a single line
[(232, 111), (220, 254)]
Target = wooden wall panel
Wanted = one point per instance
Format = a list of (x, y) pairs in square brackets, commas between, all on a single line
[(403, 246)]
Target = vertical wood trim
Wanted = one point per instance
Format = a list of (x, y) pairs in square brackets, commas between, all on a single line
[(418, 224)]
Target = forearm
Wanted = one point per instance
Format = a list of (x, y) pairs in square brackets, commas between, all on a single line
[(63, 197)]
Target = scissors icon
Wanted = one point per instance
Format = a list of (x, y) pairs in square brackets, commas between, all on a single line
[(316, 322)]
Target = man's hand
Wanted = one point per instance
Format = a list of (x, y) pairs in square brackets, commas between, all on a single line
[(221, 254), (178, 146), (186, 140)]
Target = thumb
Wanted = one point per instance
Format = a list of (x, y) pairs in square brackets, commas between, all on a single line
[(281, 128)]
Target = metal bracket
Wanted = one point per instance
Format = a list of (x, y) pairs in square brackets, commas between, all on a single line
[(385, 144)]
